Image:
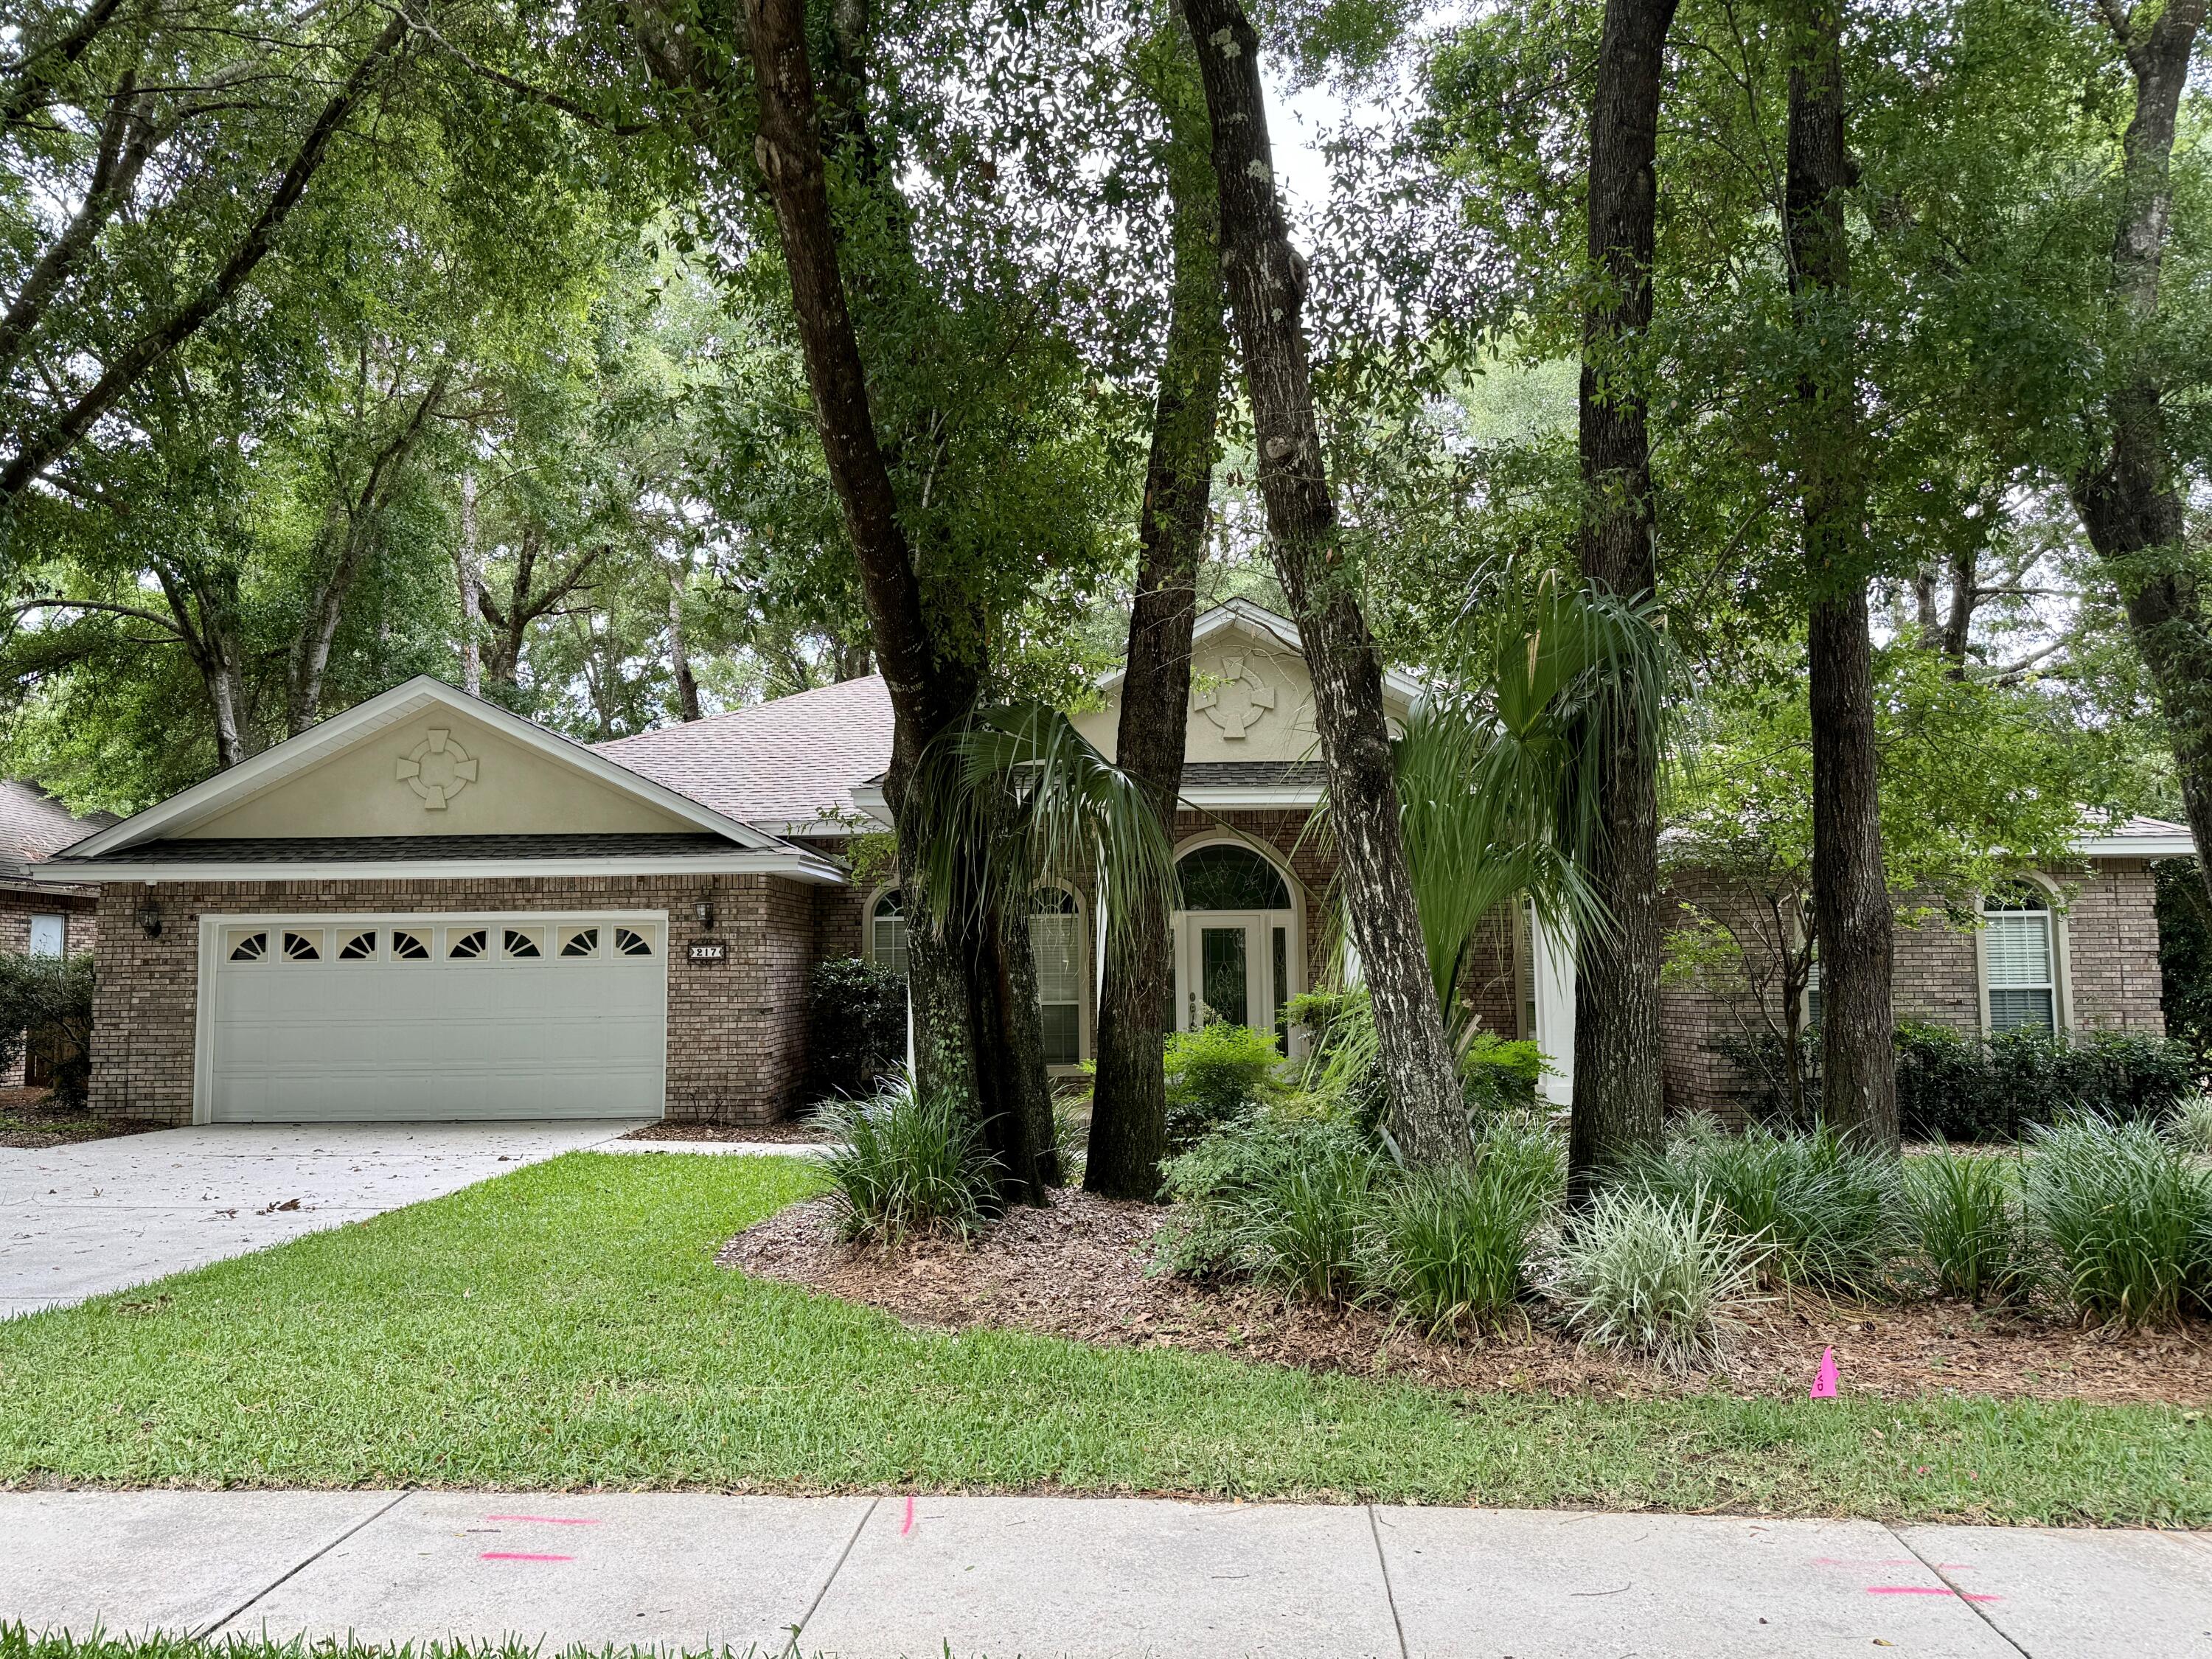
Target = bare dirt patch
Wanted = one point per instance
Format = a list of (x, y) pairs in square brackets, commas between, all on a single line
[(779, 1133), (29, 1120), (1078, 1270)]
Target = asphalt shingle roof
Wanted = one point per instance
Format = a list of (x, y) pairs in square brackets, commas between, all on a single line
[(796, 760), (34, 824)]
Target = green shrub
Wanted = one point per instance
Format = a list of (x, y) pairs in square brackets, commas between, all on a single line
[(1498, 1073), (2126, 1216), (1825, 1213), (1951, 1086), (49, 1000), (1216, 1073), (1965, 1212), (1453, 1245), (2189, 1124), (1655, 1275), (855, 1026), (1283, 1201), (908, 1163)]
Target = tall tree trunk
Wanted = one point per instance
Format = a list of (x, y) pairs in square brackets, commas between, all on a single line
[(679, 653), (1267, 281), (1129, 1115), (1851, 895), (976, 1025), (2127, 496), (468, 564), (1618, 1104)]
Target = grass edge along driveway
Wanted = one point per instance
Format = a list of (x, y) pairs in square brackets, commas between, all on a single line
[(564, 1326)]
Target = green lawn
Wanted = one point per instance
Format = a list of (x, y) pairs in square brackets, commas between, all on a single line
[(565, 1326)]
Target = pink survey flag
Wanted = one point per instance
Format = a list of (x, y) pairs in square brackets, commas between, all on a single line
[(1824, 1381)]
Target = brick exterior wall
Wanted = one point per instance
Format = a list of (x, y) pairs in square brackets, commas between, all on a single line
[(2109, 957), (17, 906), (737, 1029)]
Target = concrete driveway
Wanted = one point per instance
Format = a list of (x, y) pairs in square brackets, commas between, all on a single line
[(79, 1221)]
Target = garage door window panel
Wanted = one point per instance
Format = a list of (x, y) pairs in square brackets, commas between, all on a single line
[(408, 945), (579, 942), (248, 945), (467, 944), (358, 946), (633, 942), (303, 947), (522, 944)]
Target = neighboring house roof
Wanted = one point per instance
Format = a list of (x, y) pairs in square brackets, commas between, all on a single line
[(34, 825), (789, 766), (155, 845), (2139, 838)]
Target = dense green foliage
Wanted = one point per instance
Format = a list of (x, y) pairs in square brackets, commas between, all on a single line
[(1966, 1214), (1216, 1073), (2184, 953), (1951, 1086), (47, 1000), (2127, 1217), (855, 1025)]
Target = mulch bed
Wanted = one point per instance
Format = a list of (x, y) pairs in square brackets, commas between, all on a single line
[(27, 1122), (794, 1133), (1077, 1270)]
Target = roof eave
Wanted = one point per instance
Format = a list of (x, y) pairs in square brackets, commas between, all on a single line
[(793, 865), (2136, 847)]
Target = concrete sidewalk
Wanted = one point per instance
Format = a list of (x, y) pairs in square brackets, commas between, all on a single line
[(1092, 1577)]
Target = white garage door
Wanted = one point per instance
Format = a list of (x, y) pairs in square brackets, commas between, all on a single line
[(366, 1018)]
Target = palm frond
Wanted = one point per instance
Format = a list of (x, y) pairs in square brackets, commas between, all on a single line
[(1014, 796)]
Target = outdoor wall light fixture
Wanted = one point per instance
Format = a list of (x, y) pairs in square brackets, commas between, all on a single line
[(149, 919), (706, 913)]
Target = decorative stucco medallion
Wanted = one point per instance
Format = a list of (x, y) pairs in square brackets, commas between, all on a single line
[(1238, 700), (437, 770)]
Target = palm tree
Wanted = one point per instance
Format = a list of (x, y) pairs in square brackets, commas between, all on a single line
[(1006, 801)]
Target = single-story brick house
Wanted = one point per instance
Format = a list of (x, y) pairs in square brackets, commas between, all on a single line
[(429, 908), (45, 919)]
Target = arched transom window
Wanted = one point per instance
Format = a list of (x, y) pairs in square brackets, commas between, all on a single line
[(1225, 878)]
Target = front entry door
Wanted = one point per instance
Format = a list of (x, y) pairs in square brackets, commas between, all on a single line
[(1231, 965)]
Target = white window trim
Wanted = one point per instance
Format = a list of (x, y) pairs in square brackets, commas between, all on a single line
[(876, 895), (2061, 955), (214, 925)]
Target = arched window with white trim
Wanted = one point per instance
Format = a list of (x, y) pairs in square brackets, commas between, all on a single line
[(886, 937), (2021, 946)]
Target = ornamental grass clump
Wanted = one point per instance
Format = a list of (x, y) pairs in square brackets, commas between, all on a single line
[(2125, 1216), (1285, 1201), (1453, 1245), (2189, 1124), (1828, 1214), (907, 1161), (1656, 1276), (1966, 1214)]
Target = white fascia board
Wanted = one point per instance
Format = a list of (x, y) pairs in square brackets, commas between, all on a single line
[(791, 865), (869, 798), (2136, 847), (205, 799)]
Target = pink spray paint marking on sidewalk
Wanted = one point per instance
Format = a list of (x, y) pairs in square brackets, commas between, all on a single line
[(906, 1525), (1824, 1381), (519, 1555), (549, 1520), (1927, 1589)]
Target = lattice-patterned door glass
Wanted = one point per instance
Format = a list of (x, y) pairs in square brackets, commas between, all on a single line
[(1225, 974)]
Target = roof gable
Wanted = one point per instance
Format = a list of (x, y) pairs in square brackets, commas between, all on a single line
[(420, 761)]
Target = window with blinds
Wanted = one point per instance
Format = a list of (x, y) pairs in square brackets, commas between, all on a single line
[(2020, 962), (1055, 941), (1524, 967), (887, 934)]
